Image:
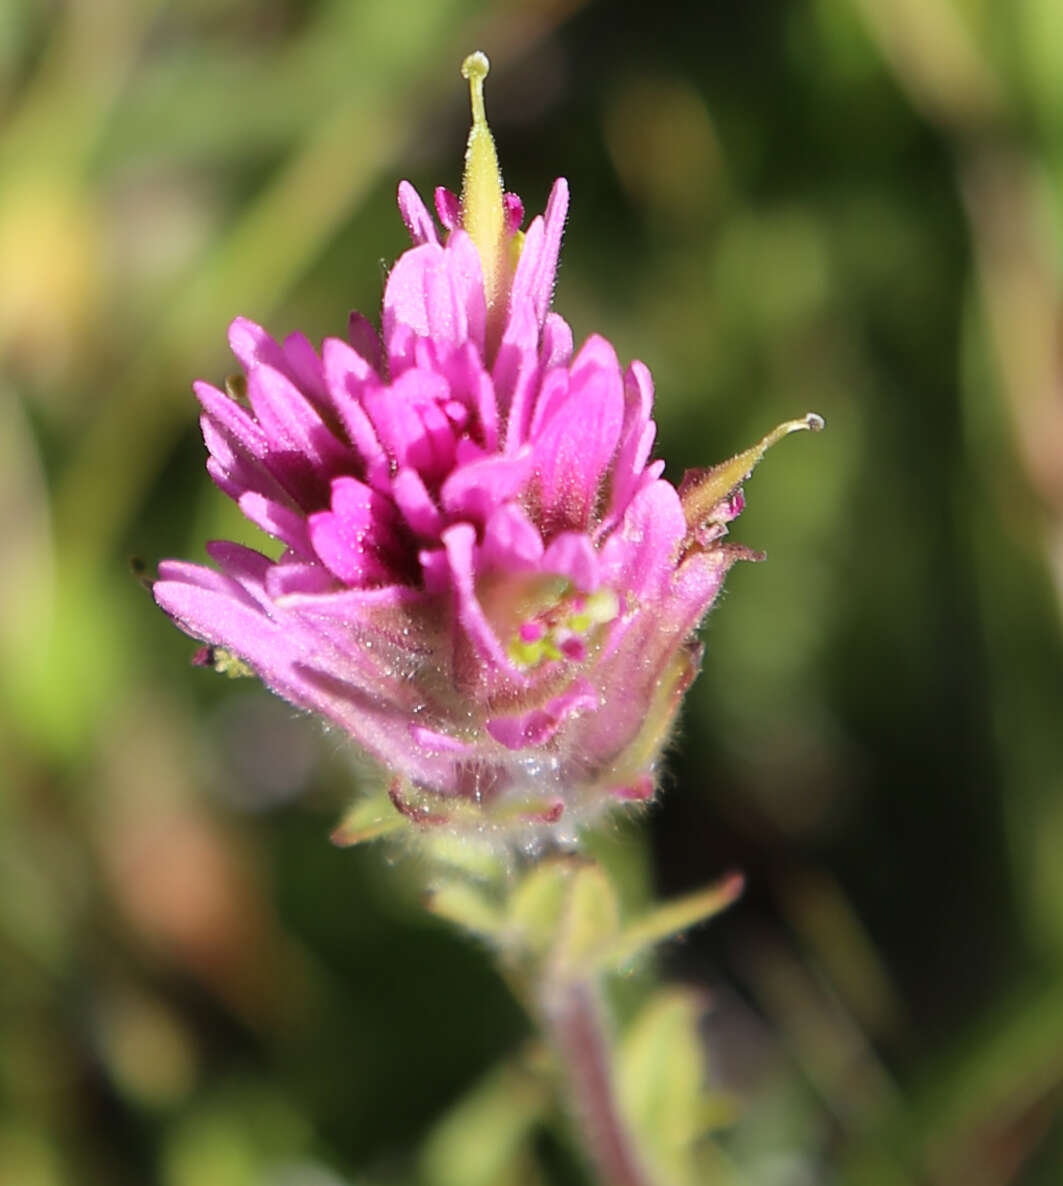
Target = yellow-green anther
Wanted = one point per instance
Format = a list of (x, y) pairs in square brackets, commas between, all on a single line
[(482, 213), (525, 654), (598, 608), (550, 648), (602, 606)]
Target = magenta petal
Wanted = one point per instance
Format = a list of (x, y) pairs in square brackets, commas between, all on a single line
[(347, 372), (415, 215), (227, 453), (636, 441), (376, 723), (595, 358), (303, 366), (537, 727), (416, 505), (575, 448), (224, 619), (643, 444), (640, 556), (572, 555), (437, 292), (291, 421), (440, 434), (435, 570), (273, 647), (468, 451), (233, 420), (448, 207), (533, 280), (471, 384), (475, 489), (412, 430), (514, 209), (363, 336), (348, 377), (286, 580), (454, 296), (460, 544), (551, 398), (356, 538), (232, 468), (239, 450), (245, 565), (277, 520), (296, 359), (638, 390), (303, 453), (253, 346), (546, 271), (400, 351), (183, 572), (438, 743), (347, 605), (697, 581), (516, 372), (521, 293), (404, 296), (511, 541), (237, 477), (557, 344)]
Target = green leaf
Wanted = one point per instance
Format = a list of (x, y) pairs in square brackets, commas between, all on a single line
[(478, 1142), (459, 902), (367, 820), (668, 920), (535, 905), (660, 1076), (591, 918), (703, 491)]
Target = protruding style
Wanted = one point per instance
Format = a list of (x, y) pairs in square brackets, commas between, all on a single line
[(483, 214)]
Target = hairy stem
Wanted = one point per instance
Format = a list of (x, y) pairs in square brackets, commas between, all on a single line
[(574, 1019)]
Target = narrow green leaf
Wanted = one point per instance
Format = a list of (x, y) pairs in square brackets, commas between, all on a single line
[(368, 819), (670, 919)]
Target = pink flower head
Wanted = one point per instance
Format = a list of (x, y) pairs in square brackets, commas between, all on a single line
[(485, 581)]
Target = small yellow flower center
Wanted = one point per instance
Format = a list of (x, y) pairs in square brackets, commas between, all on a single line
[(560, 631)]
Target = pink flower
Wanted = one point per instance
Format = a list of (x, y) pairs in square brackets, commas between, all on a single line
[(485, 581)]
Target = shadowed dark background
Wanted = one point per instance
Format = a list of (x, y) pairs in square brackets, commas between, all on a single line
[(849, 206)]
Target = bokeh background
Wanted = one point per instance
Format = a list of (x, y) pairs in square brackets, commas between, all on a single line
[(845, 205)]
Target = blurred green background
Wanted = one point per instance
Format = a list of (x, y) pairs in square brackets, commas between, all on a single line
[(845, 205)]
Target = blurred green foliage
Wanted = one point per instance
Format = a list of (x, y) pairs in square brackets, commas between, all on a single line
[(846, 205)]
